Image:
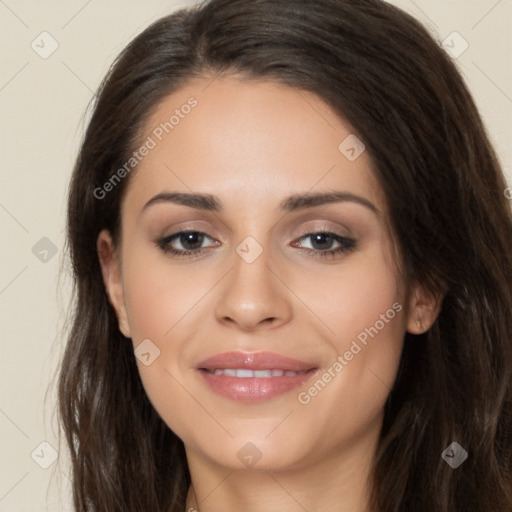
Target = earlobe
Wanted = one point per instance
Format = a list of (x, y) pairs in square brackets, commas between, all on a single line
[(424, 307), (112, 279)]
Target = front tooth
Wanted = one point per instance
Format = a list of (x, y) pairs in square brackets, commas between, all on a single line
[(263, 373), (244, 373), (247, 373)]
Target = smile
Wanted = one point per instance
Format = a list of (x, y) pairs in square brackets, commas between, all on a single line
[(254, 376), (246, 373)]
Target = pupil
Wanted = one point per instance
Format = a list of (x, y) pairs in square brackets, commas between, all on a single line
[(191, 239), (317, 239)]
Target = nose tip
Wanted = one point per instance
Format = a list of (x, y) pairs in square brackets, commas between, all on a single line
[(249, 315)]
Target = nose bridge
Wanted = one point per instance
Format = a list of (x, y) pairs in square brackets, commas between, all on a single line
[(251, 276), (252, 265)]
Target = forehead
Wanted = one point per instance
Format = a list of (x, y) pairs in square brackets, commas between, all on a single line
[(251, 143)]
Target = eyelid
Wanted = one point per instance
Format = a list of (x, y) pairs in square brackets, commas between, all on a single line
[(340, 230), (303, 232), (346, 244), (177, 233), (338, 238)]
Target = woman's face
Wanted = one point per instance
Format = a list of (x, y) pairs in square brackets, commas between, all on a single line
[(329, 308)]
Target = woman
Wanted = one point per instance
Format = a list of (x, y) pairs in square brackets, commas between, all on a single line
[(293, 254)]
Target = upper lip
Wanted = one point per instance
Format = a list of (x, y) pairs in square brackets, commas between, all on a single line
[(254, 361)]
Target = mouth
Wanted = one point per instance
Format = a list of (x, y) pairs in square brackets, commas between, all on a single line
[(254, 377), (245, 373)]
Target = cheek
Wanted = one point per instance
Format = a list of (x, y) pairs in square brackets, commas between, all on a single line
[(160, 300), (353, 297), (157, 294), (363, 307)]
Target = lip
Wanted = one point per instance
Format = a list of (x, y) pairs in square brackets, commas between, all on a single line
[(254, 389), (254, 361)]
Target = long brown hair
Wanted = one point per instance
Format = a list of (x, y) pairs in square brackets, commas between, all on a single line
[(380, 70)]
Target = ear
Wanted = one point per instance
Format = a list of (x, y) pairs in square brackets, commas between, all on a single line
[(112, 278), (424, 307)]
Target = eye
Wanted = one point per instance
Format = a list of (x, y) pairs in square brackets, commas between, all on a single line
[(322, 244), (191, 243)]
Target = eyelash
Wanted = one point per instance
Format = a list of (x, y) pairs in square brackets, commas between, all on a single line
[(347, 245)]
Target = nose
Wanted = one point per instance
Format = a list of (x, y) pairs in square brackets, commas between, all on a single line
[(254, 295)]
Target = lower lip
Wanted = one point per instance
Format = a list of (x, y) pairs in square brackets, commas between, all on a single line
[(254, 389)]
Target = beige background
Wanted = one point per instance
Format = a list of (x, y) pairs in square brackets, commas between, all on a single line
[(42, 102)]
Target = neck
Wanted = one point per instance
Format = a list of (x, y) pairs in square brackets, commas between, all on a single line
[(337, 482)]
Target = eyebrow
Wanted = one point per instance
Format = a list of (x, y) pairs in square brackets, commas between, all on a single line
[(296, 202)]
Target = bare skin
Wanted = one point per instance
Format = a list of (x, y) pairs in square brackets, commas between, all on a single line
[(254, 144)]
